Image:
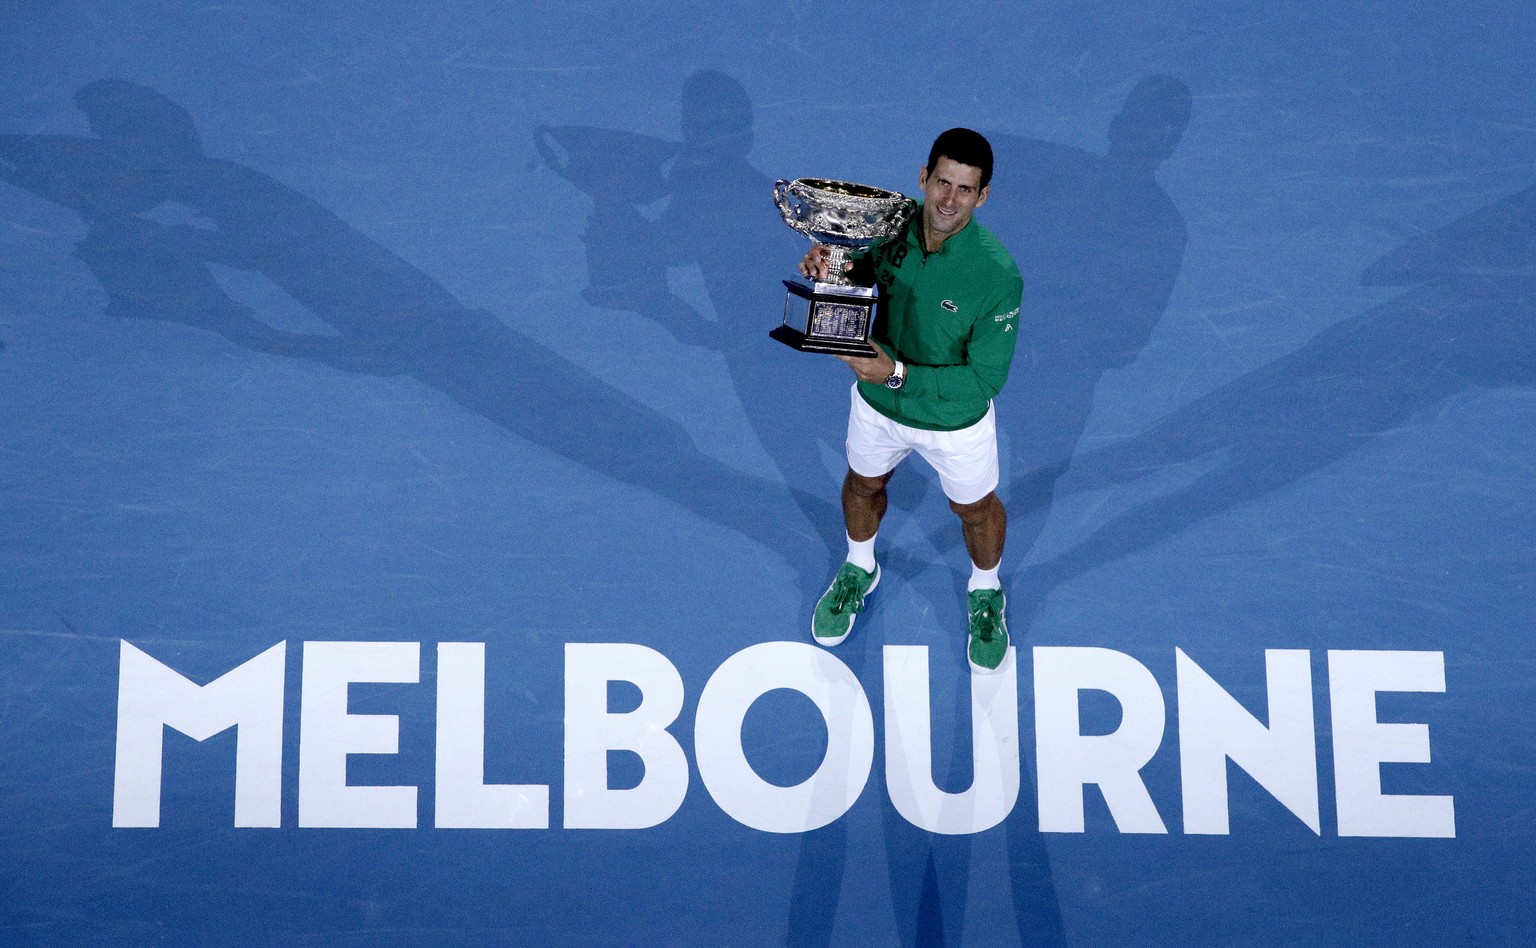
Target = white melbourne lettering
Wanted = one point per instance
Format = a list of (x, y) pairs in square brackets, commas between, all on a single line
[(1214, 730)]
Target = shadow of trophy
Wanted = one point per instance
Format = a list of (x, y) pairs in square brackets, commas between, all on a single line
[(621, 172), (835, 315)]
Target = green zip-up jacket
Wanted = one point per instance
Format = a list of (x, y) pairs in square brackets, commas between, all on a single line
[(951, 316)]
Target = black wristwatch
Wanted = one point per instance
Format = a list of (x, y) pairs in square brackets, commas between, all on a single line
[(898, 376)]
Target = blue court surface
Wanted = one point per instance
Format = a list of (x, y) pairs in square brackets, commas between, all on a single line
[(409, 532)]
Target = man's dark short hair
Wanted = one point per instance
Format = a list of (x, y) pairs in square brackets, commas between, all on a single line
[(966, 147)]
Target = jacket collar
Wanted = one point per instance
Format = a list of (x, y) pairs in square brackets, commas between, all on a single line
[(915, 234)]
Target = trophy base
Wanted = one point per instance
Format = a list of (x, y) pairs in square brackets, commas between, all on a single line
[(796, 339), (828, 317)]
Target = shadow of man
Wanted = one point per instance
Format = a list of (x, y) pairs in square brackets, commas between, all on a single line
[(1099, 244), (1465, 324), (389, 318), (701, 203)]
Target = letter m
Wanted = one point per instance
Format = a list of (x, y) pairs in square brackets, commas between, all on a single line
[(152, 697)]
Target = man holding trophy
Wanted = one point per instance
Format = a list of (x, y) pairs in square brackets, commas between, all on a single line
[(947, 323)]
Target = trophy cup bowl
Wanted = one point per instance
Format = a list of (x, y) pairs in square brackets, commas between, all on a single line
[(835, 315)]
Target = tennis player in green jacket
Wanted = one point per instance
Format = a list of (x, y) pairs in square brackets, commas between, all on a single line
[(944, 335)]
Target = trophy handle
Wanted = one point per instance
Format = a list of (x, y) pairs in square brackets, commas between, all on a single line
[(789, 206)]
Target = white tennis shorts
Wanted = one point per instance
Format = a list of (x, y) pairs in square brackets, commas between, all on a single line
[(966, 460)]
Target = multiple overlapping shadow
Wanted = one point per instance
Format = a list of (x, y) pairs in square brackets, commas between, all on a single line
[(388, 317)]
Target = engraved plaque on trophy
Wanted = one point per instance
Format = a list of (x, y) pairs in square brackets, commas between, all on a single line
[(835, 315)]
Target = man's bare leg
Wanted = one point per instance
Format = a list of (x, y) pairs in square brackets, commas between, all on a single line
[(864, 503), (985, 526)]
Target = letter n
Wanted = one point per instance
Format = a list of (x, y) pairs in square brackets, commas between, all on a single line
[(152, 697), (1215, 728)]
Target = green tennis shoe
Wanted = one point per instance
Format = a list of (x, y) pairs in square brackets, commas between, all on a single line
[(841, 604), (989, 630)]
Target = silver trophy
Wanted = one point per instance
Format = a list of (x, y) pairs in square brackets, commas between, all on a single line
[(835, 315)]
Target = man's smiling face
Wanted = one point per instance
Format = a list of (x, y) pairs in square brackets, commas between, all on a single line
[(951, 191)]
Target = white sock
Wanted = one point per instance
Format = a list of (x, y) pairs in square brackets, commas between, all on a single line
[(862, 554), (983, 578)]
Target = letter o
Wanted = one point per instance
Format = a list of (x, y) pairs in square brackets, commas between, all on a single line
[(738, 790)]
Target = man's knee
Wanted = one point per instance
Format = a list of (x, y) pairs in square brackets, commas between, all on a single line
[(985, 508), (866, 486)]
